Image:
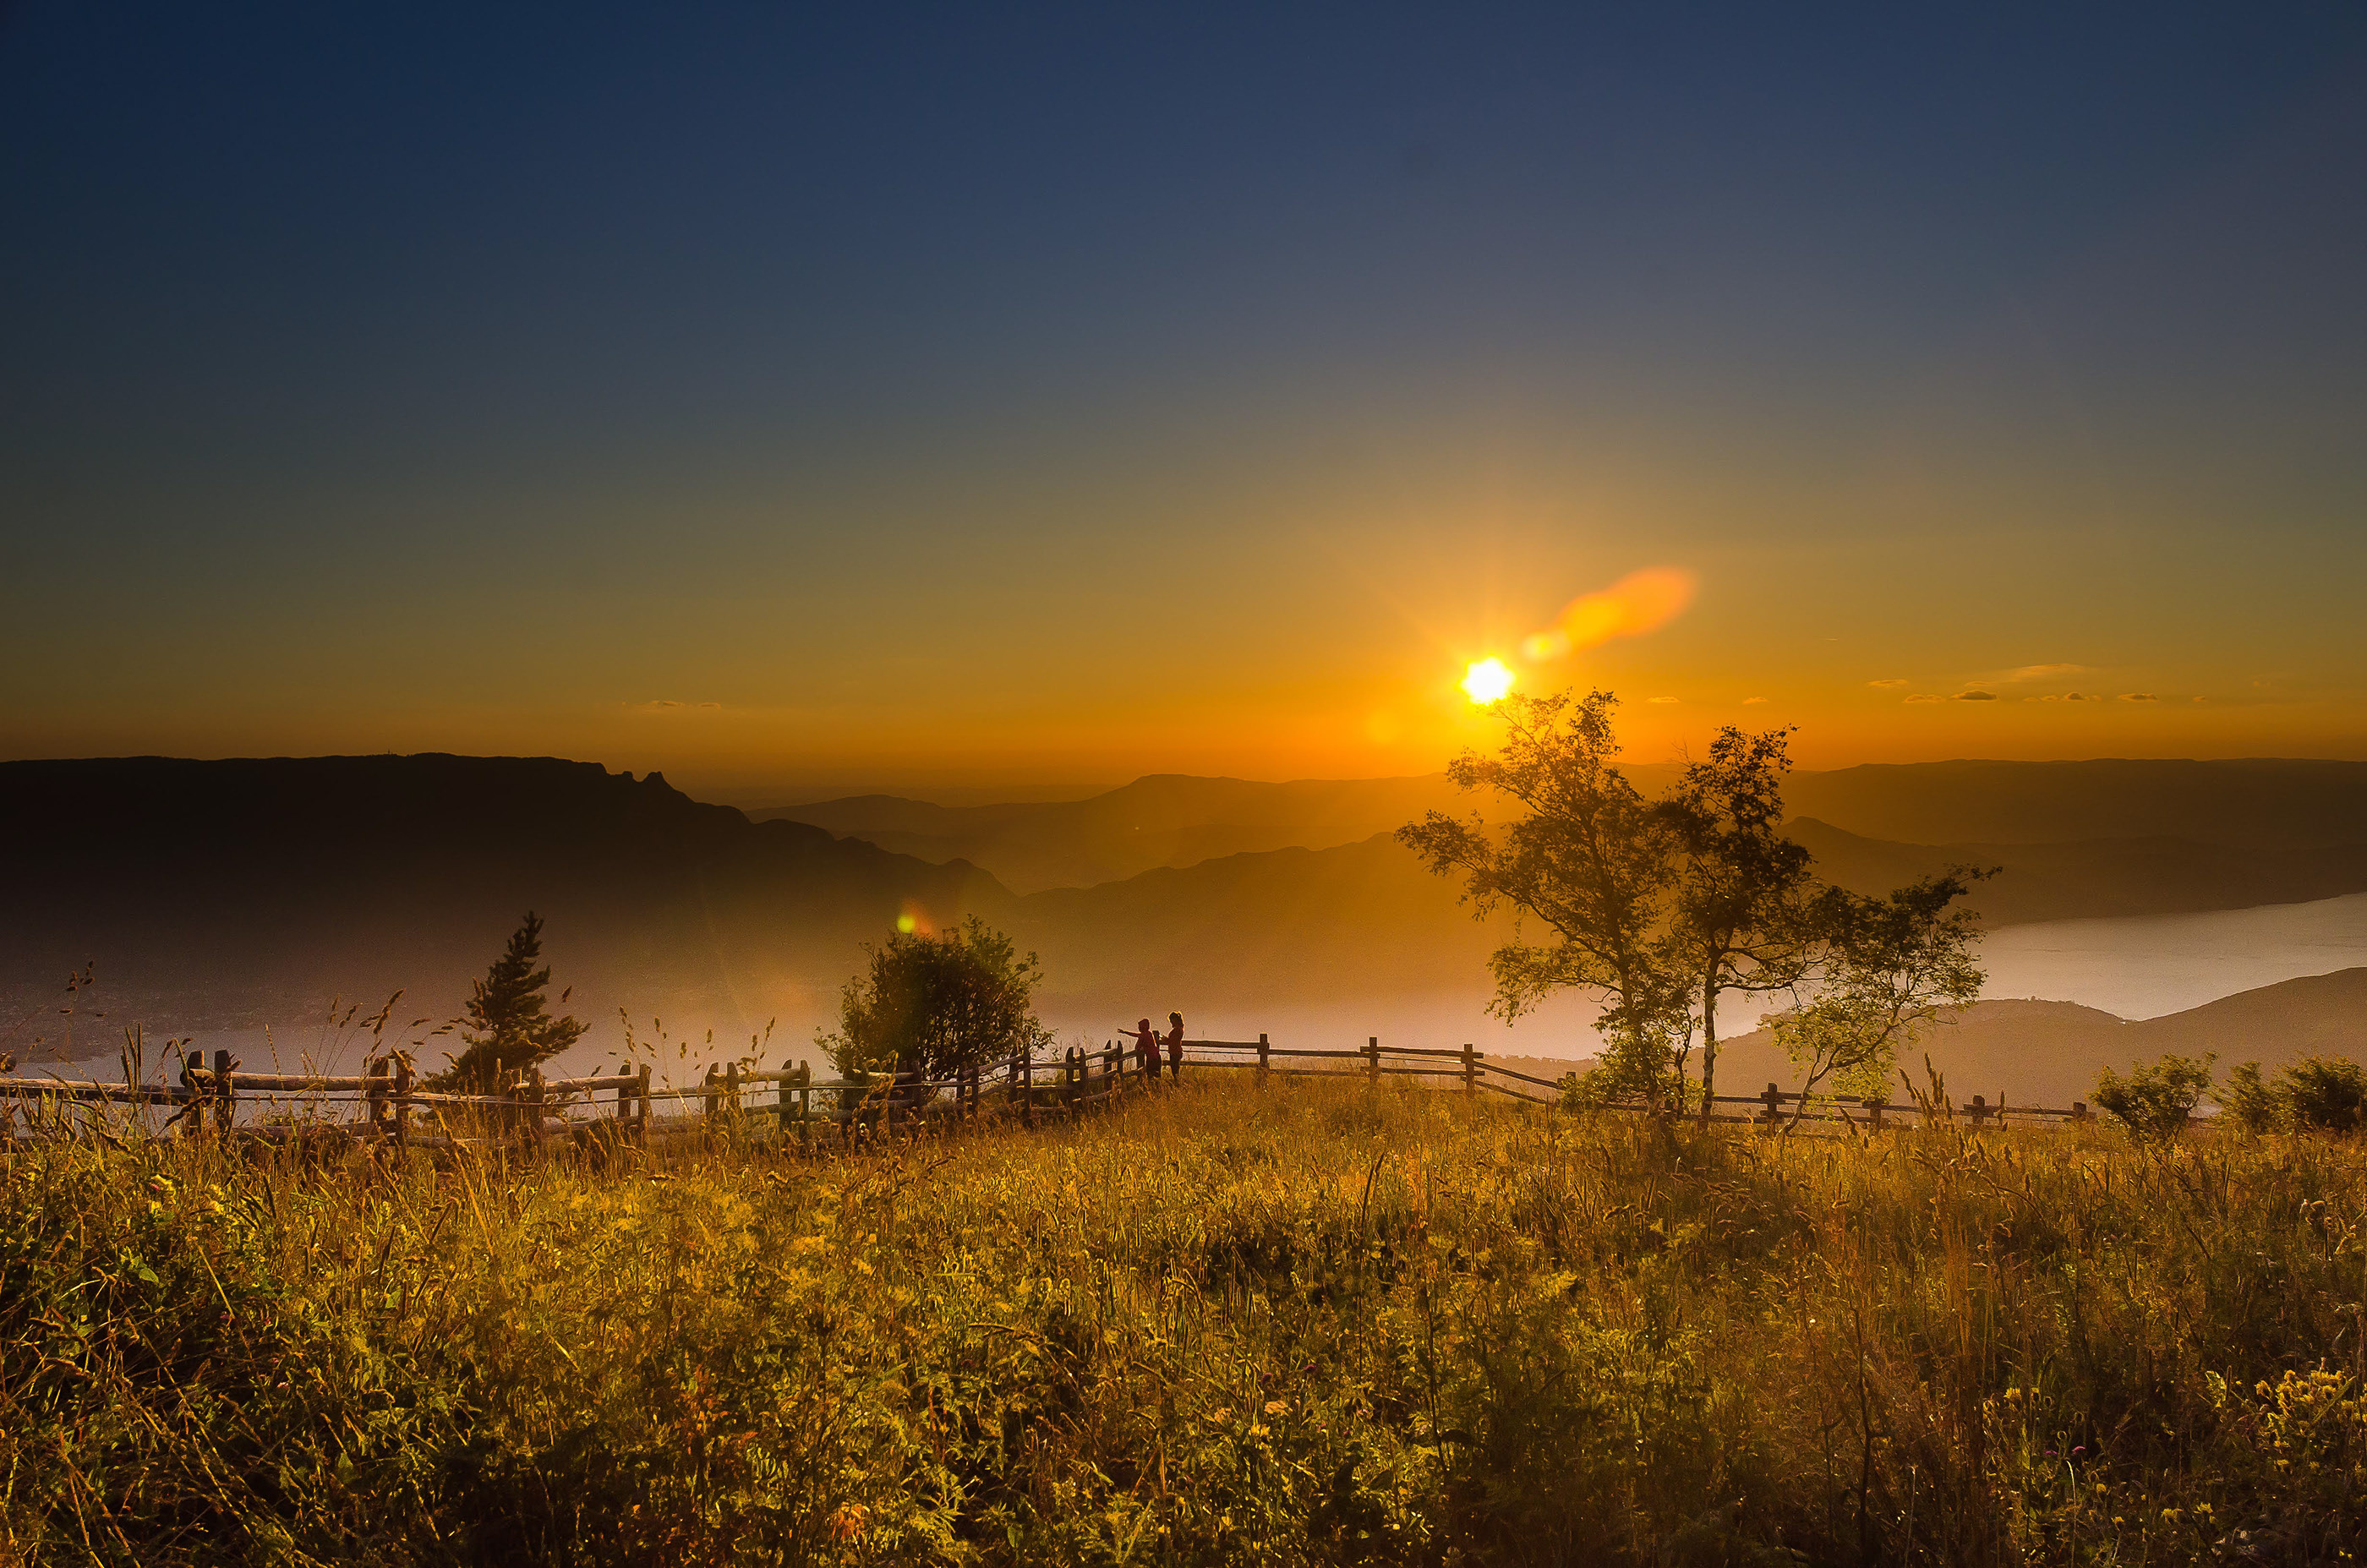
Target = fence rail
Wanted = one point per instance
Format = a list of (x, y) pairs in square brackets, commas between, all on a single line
[(535, 1110)]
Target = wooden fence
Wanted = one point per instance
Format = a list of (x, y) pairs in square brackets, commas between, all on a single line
[(386, 1104)]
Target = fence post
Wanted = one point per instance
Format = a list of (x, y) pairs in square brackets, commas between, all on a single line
[(1110, 1069), (1024, 1069), (225, 1094), (641, 1112), (1874, 1110), (401, 1105), (731, 1101), (2078, 1110), (623, 1116), (378, 1116), (1265, 1049), (805, 1105), (534, 1094), (1372, 1059), (193, 1122), (1980, 1111), (1773, 1100), (1470, 1070), (706, 1105), (1072, 1072)]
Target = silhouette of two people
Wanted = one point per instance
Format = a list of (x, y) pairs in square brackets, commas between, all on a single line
[(1147, 1045)]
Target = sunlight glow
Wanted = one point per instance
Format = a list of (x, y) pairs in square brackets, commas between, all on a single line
[(1635, 604), (1487, 681)]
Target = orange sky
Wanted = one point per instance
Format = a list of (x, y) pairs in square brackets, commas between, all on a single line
[(801, 401)]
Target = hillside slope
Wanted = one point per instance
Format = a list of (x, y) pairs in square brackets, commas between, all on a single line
[(2041, 1052), (1160, 820), (249, 890), (2078, 839)]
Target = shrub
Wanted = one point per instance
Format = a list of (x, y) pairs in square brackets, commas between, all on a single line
[(2248, 1103), (2156, 1102), (933, 1003), (2323, 1094)]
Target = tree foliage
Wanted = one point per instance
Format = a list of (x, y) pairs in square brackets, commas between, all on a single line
[(508, 1027), (1879, 971), (2155, 1102), (1738, 919), (933, 1003), (1663, 906), (1592, 860)]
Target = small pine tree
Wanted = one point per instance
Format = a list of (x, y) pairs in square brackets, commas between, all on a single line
[(508, 1028)]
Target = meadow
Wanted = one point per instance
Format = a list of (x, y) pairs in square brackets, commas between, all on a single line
[(1321, 1322)]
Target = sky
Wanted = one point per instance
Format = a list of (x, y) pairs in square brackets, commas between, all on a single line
[(996, 401)]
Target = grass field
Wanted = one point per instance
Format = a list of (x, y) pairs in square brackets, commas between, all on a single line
[(1319, 1324)]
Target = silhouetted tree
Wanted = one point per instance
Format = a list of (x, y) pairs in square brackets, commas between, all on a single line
[(1738, 922), (1593, 861), (508, 1028), (933, 1003), (1883, 969)]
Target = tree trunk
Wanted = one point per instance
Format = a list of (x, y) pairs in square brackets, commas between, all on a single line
[(1709, 1041)]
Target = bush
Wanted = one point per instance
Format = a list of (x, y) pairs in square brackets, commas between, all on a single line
[(2323, 1094), (2156, 1102), (934, 1003)]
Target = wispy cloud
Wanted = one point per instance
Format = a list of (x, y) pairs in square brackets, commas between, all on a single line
[(2136, 697), (673, 704), (1661, 700), (2035, 673), (1885, 685), (1975, 696), (1629, 607), (1926, 697), (1753, 702)]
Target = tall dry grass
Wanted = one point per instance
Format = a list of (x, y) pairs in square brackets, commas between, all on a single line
[(1321, 1323)]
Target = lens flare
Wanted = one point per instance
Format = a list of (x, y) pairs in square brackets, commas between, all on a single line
[(1487, 681), (1629, 607)]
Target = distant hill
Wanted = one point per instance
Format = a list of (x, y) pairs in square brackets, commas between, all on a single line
[(2094, 877), (1356, 920), (1160, 820), (252, 890), (2081, 837), (2253, 803), (2040, 1053)]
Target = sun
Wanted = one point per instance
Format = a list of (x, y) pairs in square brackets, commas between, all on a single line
[(1487, 681)]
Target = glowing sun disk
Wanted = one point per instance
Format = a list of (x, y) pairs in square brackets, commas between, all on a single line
[(1487, 681)]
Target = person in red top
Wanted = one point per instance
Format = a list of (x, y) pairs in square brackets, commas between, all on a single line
[(1175, 1046), (1146, 1051)]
